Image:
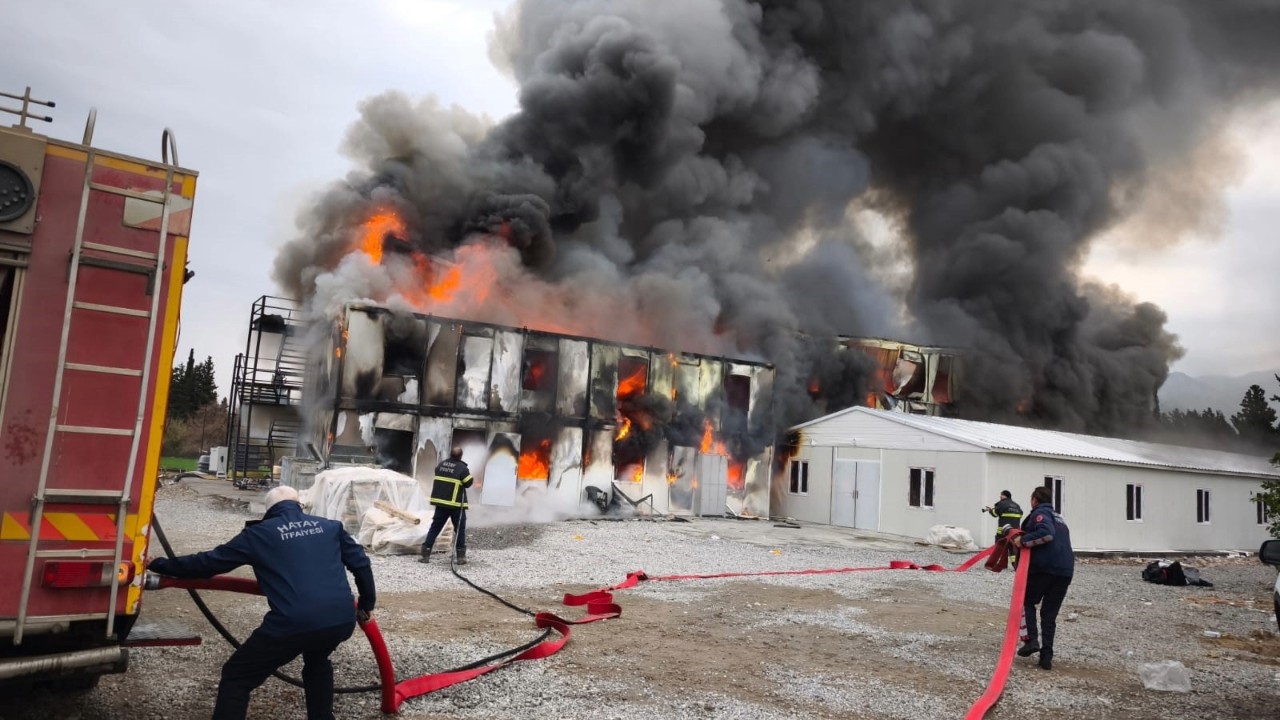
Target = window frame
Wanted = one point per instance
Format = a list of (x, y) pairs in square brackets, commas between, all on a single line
[(798, 483), (922, 488), (1263, 513), (1204, 507), (1133, 501), (1056, 485)]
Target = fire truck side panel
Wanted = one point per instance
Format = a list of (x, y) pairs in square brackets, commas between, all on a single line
[(95, 397)]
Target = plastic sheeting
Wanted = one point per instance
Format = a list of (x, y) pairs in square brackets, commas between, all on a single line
[(951, 536), (349, 495)]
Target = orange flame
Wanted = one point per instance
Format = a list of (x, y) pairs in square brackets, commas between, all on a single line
[(638, 475), (623, 430), (736, 468), (633, 384), (535, 462), (374, 231), (711, 445), (672, 477)]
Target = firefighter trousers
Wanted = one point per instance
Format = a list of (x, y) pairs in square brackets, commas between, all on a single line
[(260, 655), (458, 516), (1047, 591)]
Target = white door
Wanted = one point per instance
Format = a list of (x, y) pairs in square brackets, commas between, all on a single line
[(867, 496), (844, 475), (713, 478)]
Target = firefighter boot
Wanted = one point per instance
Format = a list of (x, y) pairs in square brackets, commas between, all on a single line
[(426, 555), (1031, 648), (1046, 660), (461, 559)]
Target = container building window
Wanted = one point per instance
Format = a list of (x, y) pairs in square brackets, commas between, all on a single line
[(921, 491)]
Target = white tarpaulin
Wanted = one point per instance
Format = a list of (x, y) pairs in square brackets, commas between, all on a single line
[(350, 495), (950, 536)]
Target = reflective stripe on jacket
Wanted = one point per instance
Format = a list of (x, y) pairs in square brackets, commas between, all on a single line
[(1007, 514), (449, 489)]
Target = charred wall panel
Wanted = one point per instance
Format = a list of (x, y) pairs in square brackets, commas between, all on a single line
[(434, 434), (362, 355), (508, 348), (599, 467), (565, 482), (683, 469), (499, 486), (574, 359), (473, 372), (604, 381), (656, 477), (442, 364), (687, 370)]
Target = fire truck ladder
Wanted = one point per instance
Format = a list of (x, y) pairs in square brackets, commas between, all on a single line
[(154, 267)]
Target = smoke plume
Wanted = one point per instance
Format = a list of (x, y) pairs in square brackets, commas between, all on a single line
[(686, 174)]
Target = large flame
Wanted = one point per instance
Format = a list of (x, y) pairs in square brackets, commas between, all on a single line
[(633, 384), (535, 461), (374, 231), (711, 445)]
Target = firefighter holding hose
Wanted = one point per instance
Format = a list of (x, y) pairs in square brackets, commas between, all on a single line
[(1008, 514), (301, 563), (449, 496)]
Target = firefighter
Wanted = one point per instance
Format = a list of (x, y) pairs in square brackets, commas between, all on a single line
[(449, 495), (1053, 564), (1008, 515), (300, 562)]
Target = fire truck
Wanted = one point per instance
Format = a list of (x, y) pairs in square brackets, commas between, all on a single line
[(93, 260)]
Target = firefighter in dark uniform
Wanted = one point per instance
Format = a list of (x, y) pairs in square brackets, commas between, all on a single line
[(1008, 515), (1053, 564), (301, 563), (449, 496)]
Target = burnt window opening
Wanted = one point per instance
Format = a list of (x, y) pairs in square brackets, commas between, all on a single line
[(394, 449), (799, 477), (737, 396), (535, 455), (403, 356), (539, 369), (633, 377)]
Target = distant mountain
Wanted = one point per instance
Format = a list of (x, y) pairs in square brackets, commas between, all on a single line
[(1220, 392)]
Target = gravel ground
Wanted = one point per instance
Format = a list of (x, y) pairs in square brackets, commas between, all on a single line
[(872, 645)]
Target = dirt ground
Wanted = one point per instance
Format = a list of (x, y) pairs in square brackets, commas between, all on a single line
[(911, 646)]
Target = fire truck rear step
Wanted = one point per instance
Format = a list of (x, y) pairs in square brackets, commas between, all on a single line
[(76, 496), (120, 250), (113, 309), (104, 369), (161, 633)]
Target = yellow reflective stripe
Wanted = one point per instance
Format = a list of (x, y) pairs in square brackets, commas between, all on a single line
[(1011, 515), (71, 527)]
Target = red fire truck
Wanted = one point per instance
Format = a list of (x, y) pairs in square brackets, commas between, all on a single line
[(93, 248)]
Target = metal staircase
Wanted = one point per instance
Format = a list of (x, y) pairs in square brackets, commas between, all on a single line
[(267, 383)]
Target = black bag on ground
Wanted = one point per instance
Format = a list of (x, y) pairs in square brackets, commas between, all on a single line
[(1162, 573)]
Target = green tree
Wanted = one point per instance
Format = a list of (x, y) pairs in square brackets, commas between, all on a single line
[(1256, 421), (191, 388)]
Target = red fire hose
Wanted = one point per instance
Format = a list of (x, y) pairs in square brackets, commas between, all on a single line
[(600, 605)]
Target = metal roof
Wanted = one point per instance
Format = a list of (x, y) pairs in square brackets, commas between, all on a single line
[(1032, 441)]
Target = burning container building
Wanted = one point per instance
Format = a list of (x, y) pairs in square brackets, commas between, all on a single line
[(542, 417)]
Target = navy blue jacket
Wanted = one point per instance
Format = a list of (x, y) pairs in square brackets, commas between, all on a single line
[(1047, 534), (298, 560)]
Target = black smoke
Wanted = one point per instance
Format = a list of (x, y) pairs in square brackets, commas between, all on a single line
[(701, 161)]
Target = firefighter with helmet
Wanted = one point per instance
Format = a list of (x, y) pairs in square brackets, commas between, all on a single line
[(1008, 514)]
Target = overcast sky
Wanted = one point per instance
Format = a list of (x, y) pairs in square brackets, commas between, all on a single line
[(260, 94)]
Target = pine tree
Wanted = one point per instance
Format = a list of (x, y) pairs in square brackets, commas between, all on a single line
[(1256, 421)]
